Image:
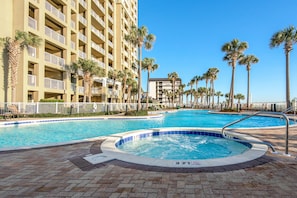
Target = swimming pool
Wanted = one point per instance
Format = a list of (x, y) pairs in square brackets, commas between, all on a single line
[(35, 133)]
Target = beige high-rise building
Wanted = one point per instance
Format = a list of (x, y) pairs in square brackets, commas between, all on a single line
[(70, 29)]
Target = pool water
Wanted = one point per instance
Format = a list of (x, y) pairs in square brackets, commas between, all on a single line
[(183, 146), (48, 133)]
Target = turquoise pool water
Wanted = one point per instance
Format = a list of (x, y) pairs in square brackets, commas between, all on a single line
[(60, 132), (183, 146)]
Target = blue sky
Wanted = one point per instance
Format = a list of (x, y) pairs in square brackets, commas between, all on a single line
[(190, 34)]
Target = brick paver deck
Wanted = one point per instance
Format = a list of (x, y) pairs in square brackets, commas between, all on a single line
[(60, 172)]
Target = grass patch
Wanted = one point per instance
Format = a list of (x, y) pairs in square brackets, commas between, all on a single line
[(137, 113)]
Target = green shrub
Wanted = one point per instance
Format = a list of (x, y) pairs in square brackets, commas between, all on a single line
[(137, 113), (51, 100)]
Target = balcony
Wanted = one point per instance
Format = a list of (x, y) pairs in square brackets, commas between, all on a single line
[(83, 20), (82, 54), (96, 90), (32, 23), (81, 90), (73, 4), (32, 51), (110, 31), (110, 6), (98, 33), (82, 37), (54, 84), (110, 19), (83, 3), (110, 44), (54, 35), (73, 45), (100, 6), (73, 24), (98, 48), (100, 21), (73, 87), (32, 80), (54, 11), (100, 63), (56, 60), (110, 56)]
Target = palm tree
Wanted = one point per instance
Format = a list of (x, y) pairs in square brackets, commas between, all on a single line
[(14, 47), (288, 36), (201, 92), (248, 60), (206, 77), (213, 76), (181, 93), (149, 65), (173, 77), (191, 83), (140, 37), (132, 84), (89, 69), (124, 75), (234, 51), (239, 97), (219, 94)]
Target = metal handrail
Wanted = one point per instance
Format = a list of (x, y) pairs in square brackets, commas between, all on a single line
[(266, 143)]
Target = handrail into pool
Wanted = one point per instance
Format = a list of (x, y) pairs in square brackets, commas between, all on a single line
[(266, 143)]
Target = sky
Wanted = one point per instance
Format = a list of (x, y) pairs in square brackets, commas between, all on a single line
[(190, 35)]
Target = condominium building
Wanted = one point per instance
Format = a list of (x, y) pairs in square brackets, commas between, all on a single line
[(162, 89), (70, 29)]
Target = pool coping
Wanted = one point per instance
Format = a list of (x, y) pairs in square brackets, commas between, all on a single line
[(110, 152)]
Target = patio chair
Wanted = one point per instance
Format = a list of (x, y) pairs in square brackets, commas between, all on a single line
[(14, 111)]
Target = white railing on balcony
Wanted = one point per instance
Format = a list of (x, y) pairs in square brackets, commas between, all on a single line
[(99, 5), (32, 23), (73, 45), (32, 51), (110, 68), (83, 3), (110, 56), (98, 33), (82, 54), (54, 11), (97, 47), (54, 59), (73, 24), (73, 87), (125, 64), (82, 37), (53, 84), (110, 19), (110, 31), (100, 63), (81, 90), (73, 4), (97, 18), (96, 90), (54, 35), (110, 6), (110, 43), (31, 80), (83, 20)]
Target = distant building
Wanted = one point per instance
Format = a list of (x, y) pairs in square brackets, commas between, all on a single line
[(161, 90)]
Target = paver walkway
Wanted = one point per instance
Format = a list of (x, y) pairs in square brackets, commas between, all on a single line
[(53, 172)]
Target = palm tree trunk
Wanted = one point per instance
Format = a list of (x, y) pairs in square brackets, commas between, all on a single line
[(139, 79), (147, 92), (248, 90), (14, 51), (288, 79), (231, 95)]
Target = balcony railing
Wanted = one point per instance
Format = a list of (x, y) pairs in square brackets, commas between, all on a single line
[(83, 20), (81, 90), (97, 18), (100, 63), (31, 80), (110, 56), (97, 47), (73, 45), (99, 5), (73, 4), (32, 51), (54, 59), (96, 90), (83, 3), (32, 23), (110, 44), (54, 84), (54, 11), (73, 87), (110, 31), (110, 19), (54, 35), (82, 37), (82, 54), (98, 33), (110, 6), (73, 24)]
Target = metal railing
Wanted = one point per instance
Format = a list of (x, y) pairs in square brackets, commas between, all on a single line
[(256, 142)]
